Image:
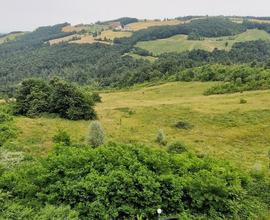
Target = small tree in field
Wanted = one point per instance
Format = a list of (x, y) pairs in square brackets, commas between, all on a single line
[(161, 137), (96, 136)]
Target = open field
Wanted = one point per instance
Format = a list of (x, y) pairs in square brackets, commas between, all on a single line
[(91, 28), (9, 37), (64, 39), (111, 35), (137, 56), (151, 23), (180, 43), (222, 127)]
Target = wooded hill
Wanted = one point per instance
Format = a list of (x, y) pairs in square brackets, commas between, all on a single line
[(112, 65)]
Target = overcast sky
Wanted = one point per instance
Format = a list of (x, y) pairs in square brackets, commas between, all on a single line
[(29, 14)]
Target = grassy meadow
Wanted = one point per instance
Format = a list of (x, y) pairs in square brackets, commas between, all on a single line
[(180, 43), (220, 125), (151, 23)]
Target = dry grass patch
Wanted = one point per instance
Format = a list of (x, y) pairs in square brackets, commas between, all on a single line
[(151, 23), (111, 35)]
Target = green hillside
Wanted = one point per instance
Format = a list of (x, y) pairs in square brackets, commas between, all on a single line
[(180, 43), (135, 116)]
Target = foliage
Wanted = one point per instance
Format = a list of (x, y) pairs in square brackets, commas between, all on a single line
[(183, 125), (96, 97), (122, 182), (36, 96), (62, 137), (161, 137), (177, 148), (207, 27), (96, 135), (7, 129), (236, 78)]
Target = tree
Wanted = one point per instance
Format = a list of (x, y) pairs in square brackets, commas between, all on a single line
[(96, 134), (58, 97)]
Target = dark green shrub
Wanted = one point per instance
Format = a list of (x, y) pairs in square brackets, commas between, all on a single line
[(62, 137), (243, 101), (183, 125), (177, 147), (58, 97), (96, 97)]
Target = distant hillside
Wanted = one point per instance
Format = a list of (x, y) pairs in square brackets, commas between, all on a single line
[(106, 54), (181, 43)]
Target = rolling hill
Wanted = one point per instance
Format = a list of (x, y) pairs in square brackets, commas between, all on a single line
[(180, 43)]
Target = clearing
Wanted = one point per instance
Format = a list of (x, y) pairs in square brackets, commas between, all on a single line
[(180, 43), (222, 127)]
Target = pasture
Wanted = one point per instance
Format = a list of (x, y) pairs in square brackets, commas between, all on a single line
[(151, 23), (219, 125), (180, 43)]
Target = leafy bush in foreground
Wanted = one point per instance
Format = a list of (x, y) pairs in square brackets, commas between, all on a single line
[(122, 182)]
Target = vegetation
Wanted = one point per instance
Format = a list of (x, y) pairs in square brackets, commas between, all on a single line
[(53, 165), (181, 43), (237, 78), (96, 135), (7, 129), (208, 27), (121, 182), (36, 96), (161, 137)]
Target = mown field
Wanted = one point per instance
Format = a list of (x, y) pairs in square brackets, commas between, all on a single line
[(220, 125), (151, 23), (180, 43)]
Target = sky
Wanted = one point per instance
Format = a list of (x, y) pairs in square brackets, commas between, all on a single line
[(26, 15)]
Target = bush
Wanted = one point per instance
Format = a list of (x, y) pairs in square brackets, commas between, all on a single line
[(96, 134), (177, 147), (161, 137), (62, 137), (123, 181), (96, 97), (243, 101), (7, 128), (58, 97), (183, 125)]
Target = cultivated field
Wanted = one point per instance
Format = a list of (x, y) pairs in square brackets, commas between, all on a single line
[(111, 35), (64, 39), (151, 23), (221, 126), (180, 43)]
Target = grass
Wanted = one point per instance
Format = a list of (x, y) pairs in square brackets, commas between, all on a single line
[(63, 39), (9, 37), (137, 56), (111, 35), (87, 28), (151, 23), (221, 126), (180, 43)]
